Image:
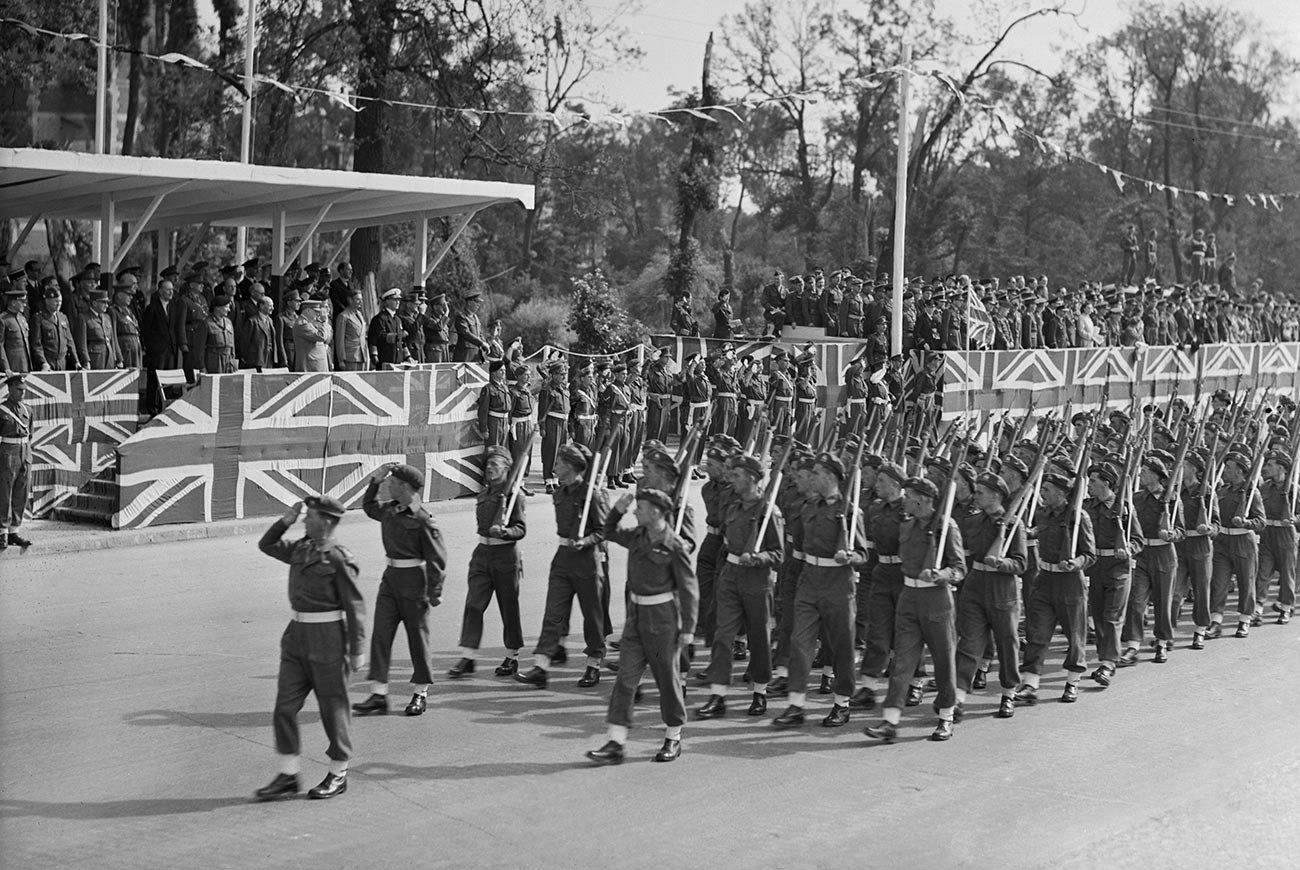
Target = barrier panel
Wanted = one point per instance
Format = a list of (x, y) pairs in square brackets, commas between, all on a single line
[(78, 419), (248, 444)]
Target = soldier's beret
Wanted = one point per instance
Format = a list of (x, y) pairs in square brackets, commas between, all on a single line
[(968, 472), (656, 497), (496, 451), (218, 301), (1164, 456), (15, 379), (496, 364), (409, 475), (1060, 481), (1105, 472), (922, 486), (943, 463), (1240, 459), (576, 455), (747, 464), (1027, 444), (995, 483), (1156, 466), (1222, 396), (1279, 457), (894, 470), (325, 504), (724, 440), (719, 452), (661, 460), (831, 463), (652, 444), (1195, 460)]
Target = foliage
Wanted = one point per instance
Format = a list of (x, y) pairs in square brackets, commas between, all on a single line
[(599, 322), (539, 322)]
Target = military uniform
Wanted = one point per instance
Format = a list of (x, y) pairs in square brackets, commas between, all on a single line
[(386, 336), (215, 339), (51, 337), (97, 341), (327, 626), (494, 413), (1109, 577), (717, 494), (15, 340), (494, 569), (15, 467), (1059, 596), (989, 600), (725, 399), (1277, 546), (1153, 574), (553, 419), (416, 559), (583, 416), (127, 327), (659, 388), (1236, 551)]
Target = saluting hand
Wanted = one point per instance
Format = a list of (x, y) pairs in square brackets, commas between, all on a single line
[(624, 502), (291, 516)]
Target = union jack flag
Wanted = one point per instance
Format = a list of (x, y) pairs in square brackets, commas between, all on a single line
[(246, 445), (981, 324)]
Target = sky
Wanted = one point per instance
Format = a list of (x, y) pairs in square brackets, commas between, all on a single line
[(672, 34)]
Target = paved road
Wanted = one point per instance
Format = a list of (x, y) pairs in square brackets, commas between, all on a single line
[(135, 721)]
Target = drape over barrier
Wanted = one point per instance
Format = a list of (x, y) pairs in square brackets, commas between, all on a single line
[(1009, 380), (78, 419), (247, 444)]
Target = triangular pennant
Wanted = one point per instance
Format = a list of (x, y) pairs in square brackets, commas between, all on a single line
[(183, 59), (1149, 185), (1160, 187), (1118, 178), (1175, 191), (1230, 200), (1250, 199), (1203, 195)]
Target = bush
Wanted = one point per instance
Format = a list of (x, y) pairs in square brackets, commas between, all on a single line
[(539, 322), (600, 323)]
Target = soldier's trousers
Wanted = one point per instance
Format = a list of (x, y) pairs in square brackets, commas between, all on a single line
[(743, 597), (707, 562), (824, 602), (925, 617), (574, 574), (1153, 582), (1057, 600), (14, 484), (656, 420), (436, 353), (724, 418), (398, 603), (633, 438), (313, 658), (1192, 572), (988, 603), (787, 581), (1234, 555), (649, 640), (553, 438), (1109, 581), (882, 604), (493, 570), (1277, 551)]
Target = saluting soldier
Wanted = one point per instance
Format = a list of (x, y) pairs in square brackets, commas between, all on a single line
[(15, 462), (805, 406), (659, 388), (494, 406), (494, 567), (553, 417), (696, 390), (316, 652), (520, 434), (575, 568), (412, 317), (436, 326), (612, 430), (416, 558), (661, 612), (743, 588), (752, 397), (1277, 546), (1059, 595), (925, 615), (723, 376), (780, 408), (470, 344), (51, 336)]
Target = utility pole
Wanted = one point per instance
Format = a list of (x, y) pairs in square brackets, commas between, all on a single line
[(900, 204), (246, 138)]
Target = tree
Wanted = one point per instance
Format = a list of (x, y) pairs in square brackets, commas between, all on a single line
[(599, 322)]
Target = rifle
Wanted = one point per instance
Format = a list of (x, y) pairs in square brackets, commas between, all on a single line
[(949, 496), (1023, 427), (1025, 502), (775, 475), (855, 495), (757, 432), (599, 463), (1173, 500), (517, 471)]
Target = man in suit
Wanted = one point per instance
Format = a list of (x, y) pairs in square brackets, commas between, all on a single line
[(341, 287), (162, 328), (259, 346), (350, 335)]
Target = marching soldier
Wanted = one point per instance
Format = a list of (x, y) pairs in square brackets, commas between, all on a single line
[(795, 490), (494, 567), (824, 598), (780, 408), (612, 432), (884, 518), (988, 604), (1193, 539), (494, 403), (1277, 546), (751, 400), (662, 600), (743, 588), (575, 568), (1236, 548), (1059, 596), (805, 407), (717, 495), (1109, 577), (316, 652), (696, 392), (416, 560), (1153, 569), (15, 462)]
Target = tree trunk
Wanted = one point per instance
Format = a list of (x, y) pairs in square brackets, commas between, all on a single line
[(373, 23)]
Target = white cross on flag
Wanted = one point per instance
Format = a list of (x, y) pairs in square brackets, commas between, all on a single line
[(981, 323)]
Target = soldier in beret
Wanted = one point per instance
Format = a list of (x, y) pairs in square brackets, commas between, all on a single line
[(1277, 545), (316, 653), (1236, 548), (215, 339), (1193, 536), (416, 560)]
